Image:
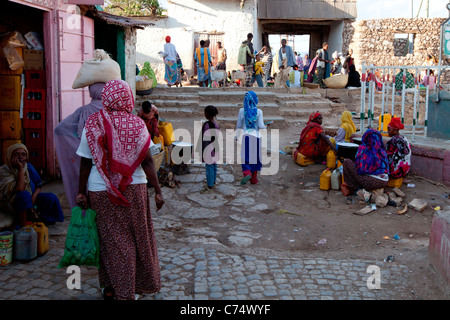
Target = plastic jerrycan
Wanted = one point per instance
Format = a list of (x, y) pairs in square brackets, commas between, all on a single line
[(42, 237), (325, 180), (336, 180), (25, 244), (331, 160)]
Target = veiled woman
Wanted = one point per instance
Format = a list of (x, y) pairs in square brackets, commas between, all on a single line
[(115, 165)]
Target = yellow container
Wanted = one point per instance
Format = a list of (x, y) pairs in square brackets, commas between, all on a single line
[(331, 160), (303, 160), (10, 125), (395, 183), (42, 237), (10, 93), (325, 180), (166, 130), (386, 119)]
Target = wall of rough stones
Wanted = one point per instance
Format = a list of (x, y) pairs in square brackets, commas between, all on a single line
[(374, 41)]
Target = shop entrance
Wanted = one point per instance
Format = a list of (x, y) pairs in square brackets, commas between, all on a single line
[(23, 90), (304, 37)]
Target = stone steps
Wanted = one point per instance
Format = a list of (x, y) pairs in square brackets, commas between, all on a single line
[(279, 105)]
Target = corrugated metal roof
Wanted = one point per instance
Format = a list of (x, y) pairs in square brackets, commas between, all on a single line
[(307, 9), (120, 20)]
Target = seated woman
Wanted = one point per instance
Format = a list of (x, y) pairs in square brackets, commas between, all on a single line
[(347, 128), (354, 78), (370, 170), (314, 143), (20, 191), (398, 150)]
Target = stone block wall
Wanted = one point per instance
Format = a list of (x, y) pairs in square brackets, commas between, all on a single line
[(379, 41)]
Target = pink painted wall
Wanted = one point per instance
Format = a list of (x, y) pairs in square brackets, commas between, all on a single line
[(91, 2), (75, 46), (439, 246)]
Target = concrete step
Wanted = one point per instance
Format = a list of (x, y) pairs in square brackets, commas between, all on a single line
[(229, 122), (226, 108), (171, 96), (290, 96), (302, 113), (170, 113), (174, 103), (236, 95), (301, 104)]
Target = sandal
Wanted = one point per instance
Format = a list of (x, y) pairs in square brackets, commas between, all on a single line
[(207, 190), (245, 179)]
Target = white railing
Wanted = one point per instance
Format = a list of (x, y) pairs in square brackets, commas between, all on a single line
[(376, 80)]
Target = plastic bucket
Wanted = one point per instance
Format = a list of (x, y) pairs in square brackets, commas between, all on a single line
[(6, 247)]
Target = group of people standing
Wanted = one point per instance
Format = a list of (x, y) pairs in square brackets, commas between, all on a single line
[(284, 67)]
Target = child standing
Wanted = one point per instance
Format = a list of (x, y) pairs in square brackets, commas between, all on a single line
[(210, 147), (259, 72)]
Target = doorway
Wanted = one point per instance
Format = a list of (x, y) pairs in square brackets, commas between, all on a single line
[(299, 43), (213, 39)]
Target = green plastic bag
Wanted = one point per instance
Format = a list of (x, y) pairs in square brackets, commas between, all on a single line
[(82, 245)]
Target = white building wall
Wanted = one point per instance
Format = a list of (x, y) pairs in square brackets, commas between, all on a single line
[(335, 41), (187, 17)]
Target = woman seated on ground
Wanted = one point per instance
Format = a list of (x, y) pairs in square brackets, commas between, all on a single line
[(354, 78), (370, 170), (347, 128), (20, 191), (314, 143), (398, 150)]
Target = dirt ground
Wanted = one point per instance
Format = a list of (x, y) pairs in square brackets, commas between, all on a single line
[(300, 219)]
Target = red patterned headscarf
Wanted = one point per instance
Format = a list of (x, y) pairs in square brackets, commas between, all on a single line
[(396, 123), (314, 116), (118, 139)]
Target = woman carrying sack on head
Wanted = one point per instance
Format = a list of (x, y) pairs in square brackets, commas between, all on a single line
[(115, 166)]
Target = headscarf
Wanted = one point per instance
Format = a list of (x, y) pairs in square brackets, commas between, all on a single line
[(118, 139), (168, 39), (148, 71), (396, 123), (348, 125), (8, 175), (313, 116), (311, 124), (250, 109), (371, 157)]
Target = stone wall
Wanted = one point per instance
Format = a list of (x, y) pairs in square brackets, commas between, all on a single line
[(377, 41)]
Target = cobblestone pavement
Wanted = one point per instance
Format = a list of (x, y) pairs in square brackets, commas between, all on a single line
[(198, 273)]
